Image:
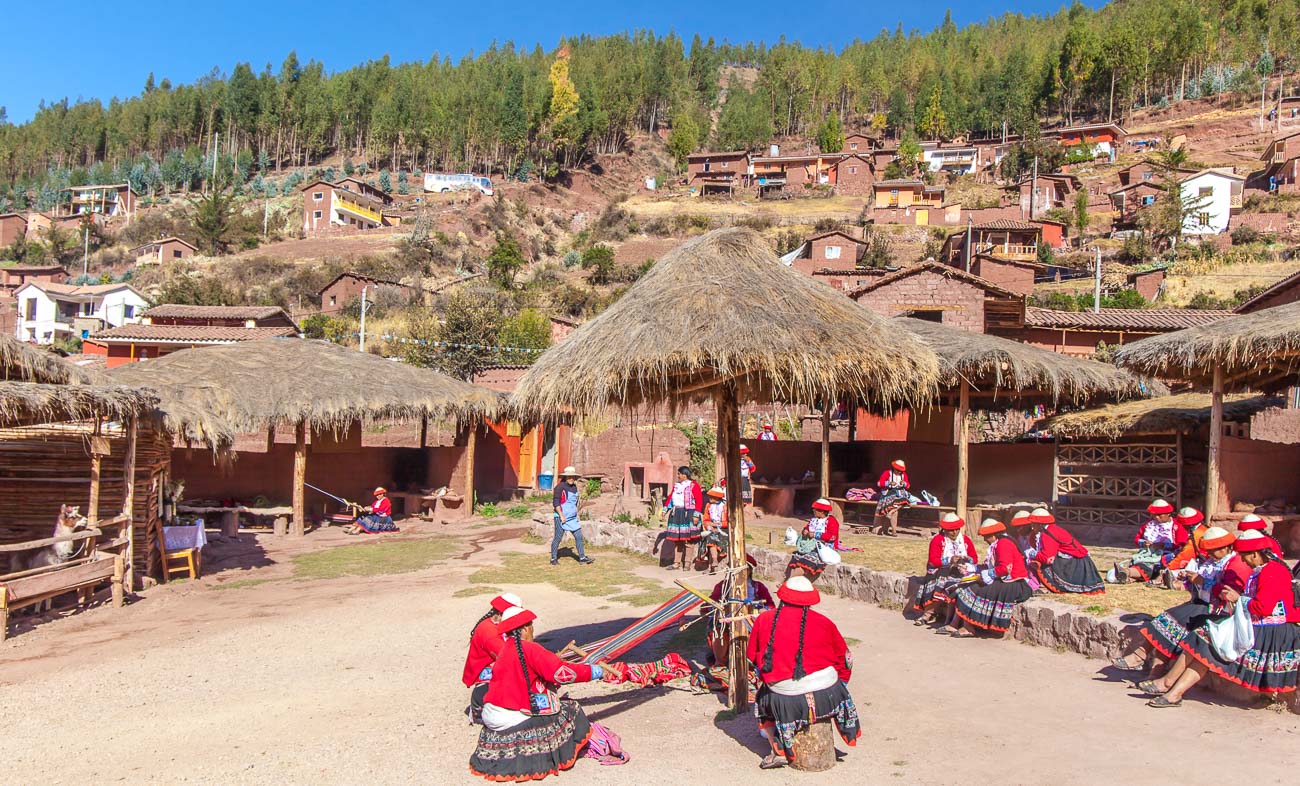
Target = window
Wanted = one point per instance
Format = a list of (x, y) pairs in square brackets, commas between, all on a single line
[(853, 146), (1205, 192), (927, 315), (128, 311), (832, 252), (87, 309), (726, 164), (1149, 199), (1147, 175), (31, 308), (316, 214), (707, 166), (334, 300), (176, 253), (318, 196), (1204, 219), (853, 170)]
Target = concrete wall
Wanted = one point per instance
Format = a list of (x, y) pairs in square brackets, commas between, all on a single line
[(961, 303)]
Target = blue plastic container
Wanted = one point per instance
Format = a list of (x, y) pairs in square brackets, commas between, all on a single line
[(545, 482)]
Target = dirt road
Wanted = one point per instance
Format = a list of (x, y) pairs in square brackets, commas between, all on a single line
[(355, 680)]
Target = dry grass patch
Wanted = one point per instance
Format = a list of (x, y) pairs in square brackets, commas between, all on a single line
[(612, 576), (396, 555)]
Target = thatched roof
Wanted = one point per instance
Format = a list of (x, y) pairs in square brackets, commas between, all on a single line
[(1259, 351), (722, 307), (1183, 412), (1012, 372), (277, 382), (27, 402), (27, 363)]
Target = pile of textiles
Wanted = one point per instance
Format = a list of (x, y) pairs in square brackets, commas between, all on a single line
[(668, 668), (859, 495), (605, 746)]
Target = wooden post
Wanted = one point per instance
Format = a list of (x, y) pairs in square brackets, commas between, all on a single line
[(961, 426), (119, 581), (128, 500), (1178, 462), (424, 431), (1216, 445), (471, 446), (729, 448), (300, 478), (853, 420), (826, 450)]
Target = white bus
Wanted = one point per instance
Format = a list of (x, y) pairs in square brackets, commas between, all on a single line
[(442, 183)]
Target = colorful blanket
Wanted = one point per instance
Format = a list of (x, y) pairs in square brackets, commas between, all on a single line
[(668, 668)]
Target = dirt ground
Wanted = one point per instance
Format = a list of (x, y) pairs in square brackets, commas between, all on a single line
[(252, 676)]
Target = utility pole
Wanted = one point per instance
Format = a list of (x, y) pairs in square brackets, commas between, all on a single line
[(216, 153), (1033, 189), (363, 317), (968, 229), (85, 251), (266, 214), (1096, 283)]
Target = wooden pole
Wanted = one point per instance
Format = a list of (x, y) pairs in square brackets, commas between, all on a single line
[(729, 449), (128, 501), (300, 479), (853, 420), (826, 450), (471, 446), (1216, 445), (961, 426)]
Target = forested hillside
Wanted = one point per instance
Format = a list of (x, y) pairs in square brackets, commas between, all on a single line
[(520, 113)]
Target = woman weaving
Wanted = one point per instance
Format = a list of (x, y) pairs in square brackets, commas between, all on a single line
[(894, 496), (821, 531), (484, 646), (715, 536), (988, 606), (952, 557)]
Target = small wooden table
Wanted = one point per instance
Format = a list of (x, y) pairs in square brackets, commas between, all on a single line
[(778, 498), (230, 516)]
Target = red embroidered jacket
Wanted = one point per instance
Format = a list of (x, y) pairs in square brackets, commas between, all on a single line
[(1273, 586), (546, 671), (884, 479), (830, 535), (484, 646), (383, 506), (936, 551), (822, 645), (1008, 562), (1056, 540)]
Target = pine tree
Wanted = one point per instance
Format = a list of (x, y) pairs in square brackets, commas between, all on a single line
[(385, 181), (934, 125), (830, 135)]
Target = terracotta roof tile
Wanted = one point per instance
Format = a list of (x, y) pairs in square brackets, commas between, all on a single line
[(189, 334), (1157, 320), (175, 311)]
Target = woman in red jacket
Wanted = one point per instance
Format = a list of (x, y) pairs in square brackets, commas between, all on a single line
[(952, 557), (484, 647), (803, 668), (1251, 522), (989, 606), (1269, 666), (1061, 564), (823, 529), (528, 731)]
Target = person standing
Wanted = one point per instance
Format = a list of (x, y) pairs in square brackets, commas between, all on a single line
[(747, 468), (684, 509), (565, 502), (768, 434)]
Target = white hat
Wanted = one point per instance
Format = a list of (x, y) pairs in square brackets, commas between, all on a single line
[(1187, 513), (1022, 514), (1250, 518), (570, 472)]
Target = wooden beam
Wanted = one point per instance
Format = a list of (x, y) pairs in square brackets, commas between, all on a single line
[(1216, 445), (424, 431), (729, 450), (128, 502), (300, 479), (826, 450), (961, 426), (471, 448), (96, 464)]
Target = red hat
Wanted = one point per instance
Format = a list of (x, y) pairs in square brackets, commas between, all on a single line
[(951, 521), (992, 527), (515, 618), (749, 558), (744, 449), (799, 591), (506, 601), (899, 465), (1159, 508), (717, 491), (767, 426), (1252, 522), (1042, 516), (1022, 518), (1189, 517), (822, 504), (1253, 540), (1217, 538), (380, 490)]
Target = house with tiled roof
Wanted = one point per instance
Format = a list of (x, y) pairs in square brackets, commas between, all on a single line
[(49, 311), (940, 293), (1080, 332), (169, 327), (1285, 291)]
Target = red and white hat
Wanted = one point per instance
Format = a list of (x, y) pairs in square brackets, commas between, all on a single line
[(1042, 516), (744, 449), (1189, 517), (822, 504), (1159, 508), (1251, 522), (799, 591), (1022, 518), (951, 521), (380, 490), (506, 601), (767, 426), (1217, 538), (899, 465), (992, 527), (515, 618), (1252, 540), (718, 492)]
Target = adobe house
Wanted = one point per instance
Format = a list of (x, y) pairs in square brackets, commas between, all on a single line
[(853, 175), (1103, 138), (167, 328), (1005, 238), (883, 156), (800, 169), (833, 249), (1285, 291), (14, 276), (107, 201), (12, 227), (1129, 201), (716, 173), (858, 142), (327, 205), (346, 287), (1281, 165), (1079, 332), (1148, 283), (1055, 234), (163, 250), (1016, 275), (1141, 172), (940, 293), (358, 186), (561, 327), (1050, 191)]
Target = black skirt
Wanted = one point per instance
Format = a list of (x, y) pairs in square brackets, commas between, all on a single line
[(683, 526), (1077, 575), (1268, 667), (990, 606), (476, 695), (809, 561), (540, 746), (791, 714), (746, 489), (936, 587), (1168, 630)]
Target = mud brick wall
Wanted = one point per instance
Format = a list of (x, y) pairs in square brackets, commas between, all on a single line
[(962, 304)]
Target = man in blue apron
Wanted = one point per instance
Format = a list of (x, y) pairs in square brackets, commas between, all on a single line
[(565, 502)]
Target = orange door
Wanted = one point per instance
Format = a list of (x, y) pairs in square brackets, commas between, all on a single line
[(528, 459)]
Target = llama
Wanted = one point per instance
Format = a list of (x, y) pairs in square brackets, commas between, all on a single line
[(69, 522)]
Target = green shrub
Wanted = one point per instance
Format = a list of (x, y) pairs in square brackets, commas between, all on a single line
[(518, 512), (592, 489), (489, 510)]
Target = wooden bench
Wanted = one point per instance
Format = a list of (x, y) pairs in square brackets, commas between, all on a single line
[(30, 587), (858, 507)]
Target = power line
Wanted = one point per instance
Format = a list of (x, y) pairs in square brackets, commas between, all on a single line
[(447, 344)]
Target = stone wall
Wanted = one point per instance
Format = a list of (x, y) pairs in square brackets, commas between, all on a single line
[(1038, 621)]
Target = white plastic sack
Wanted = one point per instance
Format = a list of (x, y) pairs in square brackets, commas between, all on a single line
[(1234, 635), (828, 554), (791, 537)]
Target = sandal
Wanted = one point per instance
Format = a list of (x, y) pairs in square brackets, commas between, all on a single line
[(671, 567), (1150, 688), (1122, 665), (771, 762), (1161, 702)]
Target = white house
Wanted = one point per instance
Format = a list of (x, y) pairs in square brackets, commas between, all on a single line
[(48, 311), (953, 159), (1216, 195)]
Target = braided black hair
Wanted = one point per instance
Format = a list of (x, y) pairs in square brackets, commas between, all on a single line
[(480, 621), (799, 672), (767, 653), (517, 635)]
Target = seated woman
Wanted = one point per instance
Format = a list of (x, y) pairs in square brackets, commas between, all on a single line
[(822, 529), (484, 647), (894, 496), (378, 516), (952, 558), (756, 597), (1269, 666), (528, 731), (1252, 523), (1060, 563), (1205, 578), (988, 606), (1158, 540), (1193, 523), (683, 507), (803, 667), (714, 539)]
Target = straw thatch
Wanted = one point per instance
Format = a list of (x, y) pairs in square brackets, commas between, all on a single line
[(26, 363), (1259, 351), (279, 382), (1183, 412), (1014, 372), (721, 307), (28, 402)]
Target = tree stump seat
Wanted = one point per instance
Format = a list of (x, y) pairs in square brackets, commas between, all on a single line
[(814, 747)]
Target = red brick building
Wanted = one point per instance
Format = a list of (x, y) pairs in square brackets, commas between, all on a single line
[(858, 142), (1281, 165), (1147, 283), (12, 227), (853, 175), (723, 172), (1285, 291), (346, 287), (163, 250), (1007, 239), (1048, 191), (14, 276), (329, 205), (944, 294), (1079, 332), (1129, 201), (167, 328), (1013, 274)]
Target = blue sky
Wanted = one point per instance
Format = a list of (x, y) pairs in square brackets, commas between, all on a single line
[(96, 49)]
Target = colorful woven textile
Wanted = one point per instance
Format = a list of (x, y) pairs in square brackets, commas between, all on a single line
[(668, 668), (669, 613)]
